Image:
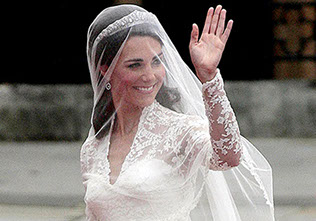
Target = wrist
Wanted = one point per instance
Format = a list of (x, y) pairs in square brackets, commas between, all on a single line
[(216, 85), (206, 75)]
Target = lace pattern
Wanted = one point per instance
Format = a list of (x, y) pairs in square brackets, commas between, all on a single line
[(189, 142), (223, 126)]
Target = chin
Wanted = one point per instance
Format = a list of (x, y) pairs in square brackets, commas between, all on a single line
[(145, 102)]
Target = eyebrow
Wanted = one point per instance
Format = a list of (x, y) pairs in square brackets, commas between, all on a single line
[(134, 60), (140, 59)]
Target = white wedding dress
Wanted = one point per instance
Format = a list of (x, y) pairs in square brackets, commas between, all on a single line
[(144, 171), (187, 161)]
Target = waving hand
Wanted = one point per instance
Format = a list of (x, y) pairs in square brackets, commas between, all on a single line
[(207, 51)]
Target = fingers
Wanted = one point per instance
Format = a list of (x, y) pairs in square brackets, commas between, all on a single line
[(194, 34), (228, 29), (208, 21), (215, 19), (221, 23), (215, 22)]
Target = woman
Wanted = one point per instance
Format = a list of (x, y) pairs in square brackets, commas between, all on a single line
[(164, 144)]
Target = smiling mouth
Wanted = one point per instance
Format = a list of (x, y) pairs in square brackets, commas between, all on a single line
[(145, 89)]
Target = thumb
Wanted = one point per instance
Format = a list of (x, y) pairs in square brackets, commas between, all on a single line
[(194, 34)]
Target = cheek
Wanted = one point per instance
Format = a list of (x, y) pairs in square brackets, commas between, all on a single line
[(124, 79), (128, 80), (161, 75)]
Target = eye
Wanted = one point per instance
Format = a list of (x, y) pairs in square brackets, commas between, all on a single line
[(134, 65), (156, 61)]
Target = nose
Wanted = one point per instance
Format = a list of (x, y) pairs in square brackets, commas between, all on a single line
[(148, 75)]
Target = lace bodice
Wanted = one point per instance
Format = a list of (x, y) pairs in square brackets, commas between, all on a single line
[(170, 152)]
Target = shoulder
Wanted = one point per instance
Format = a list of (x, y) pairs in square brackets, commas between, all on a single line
[(191, 132), (88, 150), (185, 121), (89, 145)]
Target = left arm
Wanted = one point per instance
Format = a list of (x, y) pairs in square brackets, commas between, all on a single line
[(223, 126), (206, 54)]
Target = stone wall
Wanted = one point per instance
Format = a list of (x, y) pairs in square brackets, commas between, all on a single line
[(274, 108), (48, 112), (62, 112)]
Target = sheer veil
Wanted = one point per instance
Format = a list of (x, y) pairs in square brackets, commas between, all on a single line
[(240, 193)]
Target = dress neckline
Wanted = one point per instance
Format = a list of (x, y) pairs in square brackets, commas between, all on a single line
[(125, 163)]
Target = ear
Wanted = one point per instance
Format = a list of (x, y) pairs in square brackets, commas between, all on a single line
[(103, 69)]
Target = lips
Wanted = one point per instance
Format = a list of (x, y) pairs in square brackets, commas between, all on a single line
[(145, 89)]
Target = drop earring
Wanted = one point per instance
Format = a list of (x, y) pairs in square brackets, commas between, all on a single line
[(108, 86)]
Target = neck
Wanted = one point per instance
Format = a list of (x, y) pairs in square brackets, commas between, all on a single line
[(127, 119)]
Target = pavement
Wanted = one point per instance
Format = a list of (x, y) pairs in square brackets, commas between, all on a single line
[(41, 181)]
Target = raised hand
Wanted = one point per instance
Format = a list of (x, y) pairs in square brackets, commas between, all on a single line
[(207, 51)]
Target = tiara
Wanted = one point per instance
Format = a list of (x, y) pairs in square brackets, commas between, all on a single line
[(134, 18)]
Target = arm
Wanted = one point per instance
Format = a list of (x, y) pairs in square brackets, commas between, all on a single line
[(223, 127), (206, 54)]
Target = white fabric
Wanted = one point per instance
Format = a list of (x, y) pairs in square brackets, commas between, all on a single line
[(189, 163)]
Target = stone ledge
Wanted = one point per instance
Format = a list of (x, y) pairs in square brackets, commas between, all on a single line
[(62, 112), (45, 112), (274, 108)]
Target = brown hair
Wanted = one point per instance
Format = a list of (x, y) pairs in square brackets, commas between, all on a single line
[(108, 48)]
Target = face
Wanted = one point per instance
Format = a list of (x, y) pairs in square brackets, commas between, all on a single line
[(139, 72)]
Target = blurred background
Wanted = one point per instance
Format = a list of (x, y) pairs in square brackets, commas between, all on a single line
[(269, 68)]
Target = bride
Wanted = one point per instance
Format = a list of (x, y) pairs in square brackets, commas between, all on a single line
[(165, 144)]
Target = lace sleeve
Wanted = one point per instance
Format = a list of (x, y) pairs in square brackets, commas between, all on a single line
[(84, 170), (224, 130)]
